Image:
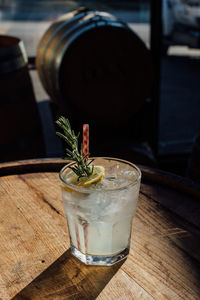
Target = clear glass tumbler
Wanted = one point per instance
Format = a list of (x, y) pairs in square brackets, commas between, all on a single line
[(100, 216)]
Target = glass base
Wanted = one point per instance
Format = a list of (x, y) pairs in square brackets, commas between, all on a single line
[(97, 260)]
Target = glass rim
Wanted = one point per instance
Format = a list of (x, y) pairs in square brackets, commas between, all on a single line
[(85, 190)]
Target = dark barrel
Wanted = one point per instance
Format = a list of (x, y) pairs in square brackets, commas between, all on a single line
[(20, 126), (96, 70)]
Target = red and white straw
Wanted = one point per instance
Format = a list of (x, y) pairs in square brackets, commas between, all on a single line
[(85, 139)]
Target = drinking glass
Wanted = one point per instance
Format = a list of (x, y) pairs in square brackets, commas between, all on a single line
[(100, 216)]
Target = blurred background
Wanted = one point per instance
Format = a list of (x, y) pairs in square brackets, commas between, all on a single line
[(169, 116)]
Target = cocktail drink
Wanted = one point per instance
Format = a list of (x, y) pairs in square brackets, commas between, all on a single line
[(100, 214)]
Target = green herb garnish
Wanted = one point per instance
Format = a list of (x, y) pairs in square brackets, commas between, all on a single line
[(82, 167)]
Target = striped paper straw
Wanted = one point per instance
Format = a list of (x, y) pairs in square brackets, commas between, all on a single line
[(85, 139)]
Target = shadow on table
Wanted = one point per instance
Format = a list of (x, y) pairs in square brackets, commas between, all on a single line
[(68, 278)]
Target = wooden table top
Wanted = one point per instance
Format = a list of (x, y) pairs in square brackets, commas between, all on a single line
[(35, 258)]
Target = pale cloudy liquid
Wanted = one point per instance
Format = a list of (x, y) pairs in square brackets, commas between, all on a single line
[(100, 221)]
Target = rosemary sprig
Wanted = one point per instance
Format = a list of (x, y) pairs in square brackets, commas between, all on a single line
[(82, 167)]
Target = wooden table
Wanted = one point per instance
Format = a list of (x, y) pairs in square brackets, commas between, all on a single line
[(35, 259)]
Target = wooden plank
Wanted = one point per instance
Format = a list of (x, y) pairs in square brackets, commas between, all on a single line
[(163, 268), (175, 182), (187, 207), (31, 165), (164, 261), (68, 278), (33, 230), (160, 265)]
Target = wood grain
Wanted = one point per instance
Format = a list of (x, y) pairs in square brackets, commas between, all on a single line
[(160, 266), (36, 262), (33, 232)]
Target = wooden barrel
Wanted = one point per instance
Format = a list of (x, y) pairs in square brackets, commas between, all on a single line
[(20, 126), (93, 64), (35, 255)]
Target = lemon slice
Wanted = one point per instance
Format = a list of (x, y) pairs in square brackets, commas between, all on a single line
[(97, 175), (72, 178)]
